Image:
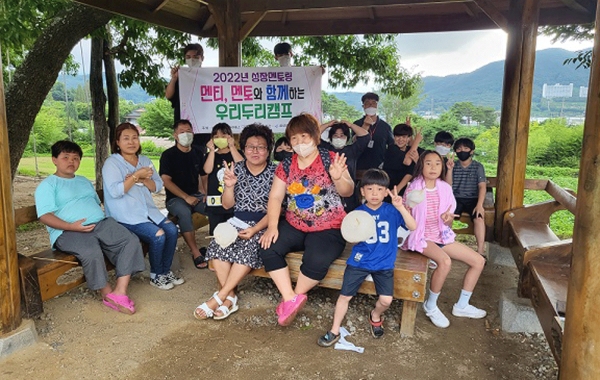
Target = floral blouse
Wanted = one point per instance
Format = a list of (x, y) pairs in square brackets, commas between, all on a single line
[(313, 203)]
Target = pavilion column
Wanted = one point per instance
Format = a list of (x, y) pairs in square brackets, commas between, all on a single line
[(228, 19), (10, 295), (516, 109), (580, 357)]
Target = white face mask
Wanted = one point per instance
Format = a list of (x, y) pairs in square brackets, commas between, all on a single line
[(193, 62), (185, 139), (285, 61), (371, 111), (442, 150), (305, 150), (339, 142)]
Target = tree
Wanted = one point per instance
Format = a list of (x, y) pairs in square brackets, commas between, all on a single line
[(394, 109), (581, 32), (158, 118), (334, 108), (470, 112), (34, 78)]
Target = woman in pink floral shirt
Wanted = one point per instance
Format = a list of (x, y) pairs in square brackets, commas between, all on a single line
[(313, 181)]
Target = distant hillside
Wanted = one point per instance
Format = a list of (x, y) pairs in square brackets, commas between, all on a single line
[(484, 86), (135, 93)]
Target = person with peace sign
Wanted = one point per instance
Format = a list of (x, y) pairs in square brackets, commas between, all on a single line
[(434, 238)]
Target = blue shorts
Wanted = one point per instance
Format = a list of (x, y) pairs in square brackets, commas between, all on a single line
[(354, 277)]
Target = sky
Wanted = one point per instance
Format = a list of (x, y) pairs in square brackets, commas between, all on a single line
[(430, 54)]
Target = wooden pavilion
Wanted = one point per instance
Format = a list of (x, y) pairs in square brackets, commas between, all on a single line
[(233, 20)]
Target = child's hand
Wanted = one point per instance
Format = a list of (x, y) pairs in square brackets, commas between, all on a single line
[(407, 121), (338, 166), (229, 177), (79, 227), (210, 145), (396, 199), (411, 155), (450, 161), (418, 136), (230, 142), (448, 217), (175, 72), (479, 211)]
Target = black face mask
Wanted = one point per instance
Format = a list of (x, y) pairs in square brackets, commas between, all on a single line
[(463, 156), (281, 155)]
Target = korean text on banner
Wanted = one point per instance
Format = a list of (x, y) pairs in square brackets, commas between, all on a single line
[(240, 96)]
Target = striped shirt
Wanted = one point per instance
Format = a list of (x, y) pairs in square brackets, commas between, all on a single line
[(465, 181), (432, 226)]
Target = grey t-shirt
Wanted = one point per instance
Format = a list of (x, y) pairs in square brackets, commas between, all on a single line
[(465, 181)]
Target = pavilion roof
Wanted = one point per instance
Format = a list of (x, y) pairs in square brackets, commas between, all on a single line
[(334, 17)]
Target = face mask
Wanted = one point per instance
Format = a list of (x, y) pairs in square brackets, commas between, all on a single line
[(304, 150), (220, 142), (371, 111), (193, 62), (281, 155), (185, 139), (463, 156), (442, 150), (339, 142), (285, 61)]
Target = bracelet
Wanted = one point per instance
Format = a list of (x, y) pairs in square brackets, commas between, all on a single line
[(135, 179)]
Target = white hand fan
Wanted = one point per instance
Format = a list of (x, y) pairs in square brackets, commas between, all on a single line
[(415, 197), (358, 226), (225, 234)]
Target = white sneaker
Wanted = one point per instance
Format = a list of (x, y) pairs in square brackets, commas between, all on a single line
[(437, 317), (162, 282), (469, 311), (173, 279)]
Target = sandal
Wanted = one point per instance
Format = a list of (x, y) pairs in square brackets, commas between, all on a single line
[(121, 303), (376, 327), (328, 340), (227, 311), (208, 312), (200, 262)]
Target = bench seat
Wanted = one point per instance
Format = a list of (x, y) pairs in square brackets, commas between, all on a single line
[(410, 279)]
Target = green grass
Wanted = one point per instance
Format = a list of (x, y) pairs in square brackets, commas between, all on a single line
[(46, 167)]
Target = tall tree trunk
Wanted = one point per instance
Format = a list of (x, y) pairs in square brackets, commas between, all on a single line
[(112, 86), (98, 107), (34, 78)]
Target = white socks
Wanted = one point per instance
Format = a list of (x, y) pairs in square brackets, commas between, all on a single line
[(463, 300), (431, 302)]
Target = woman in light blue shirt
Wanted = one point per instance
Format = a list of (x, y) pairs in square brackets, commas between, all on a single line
[(128, 180)]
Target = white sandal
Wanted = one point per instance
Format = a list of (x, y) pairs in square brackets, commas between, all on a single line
[(227, 311), (208, 312)]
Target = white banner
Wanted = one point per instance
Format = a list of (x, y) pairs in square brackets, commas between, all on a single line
[(240, 96)]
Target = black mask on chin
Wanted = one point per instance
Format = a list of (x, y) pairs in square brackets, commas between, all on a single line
[(281, 155), (463, 156)]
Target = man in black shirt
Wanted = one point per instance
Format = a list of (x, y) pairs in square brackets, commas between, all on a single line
[(181, 169), (379, 130)]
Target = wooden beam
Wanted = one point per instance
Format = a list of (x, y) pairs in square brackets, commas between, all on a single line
[(10, 293), (142, 12), (229, 22), (579, 6), (516, 109), (251, 24), (209, 24), (493, 13), (160, 5), (302, 5), (471, 9), (581, 341)]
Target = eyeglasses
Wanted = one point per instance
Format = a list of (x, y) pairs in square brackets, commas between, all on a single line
[(257, 148)]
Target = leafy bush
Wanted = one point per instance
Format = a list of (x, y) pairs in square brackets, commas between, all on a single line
[(150, 149)]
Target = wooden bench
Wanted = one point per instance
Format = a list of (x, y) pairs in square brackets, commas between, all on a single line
[(543, 259), (488, 217), (410, 279), (49, 273)]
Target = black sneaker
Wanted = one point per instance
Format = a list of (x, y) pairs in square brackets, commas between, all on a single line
[(328, 340), (376, 327)]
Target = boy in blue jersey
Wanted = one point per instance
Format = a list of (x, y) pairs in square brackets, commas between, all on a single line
[(375, 257)]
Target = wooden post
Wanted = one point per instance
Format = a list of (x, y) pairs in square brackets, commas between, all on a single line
[(516, 109), (10, 295), (228, 19), (580, 357)]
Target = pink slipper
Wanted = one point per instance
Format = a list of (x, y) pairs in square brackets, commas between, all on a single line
[(106, 303), (122, 303), (290, 308)]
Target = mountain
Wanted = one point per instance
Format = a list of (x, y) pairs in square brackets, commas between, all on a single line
[(484, 86), (135, 93)]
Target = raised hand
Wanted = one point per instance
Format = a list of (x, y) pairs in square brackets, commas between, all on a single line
[(407, 121), (229, 177), (450, 161), (396, 199), (79, 227), (211, 145), (448, 216), (338, 166), (175, 72), (230, 142)]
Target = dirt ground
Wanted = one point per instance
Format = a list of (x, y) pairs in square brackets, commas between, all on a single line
[(80, 338)]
